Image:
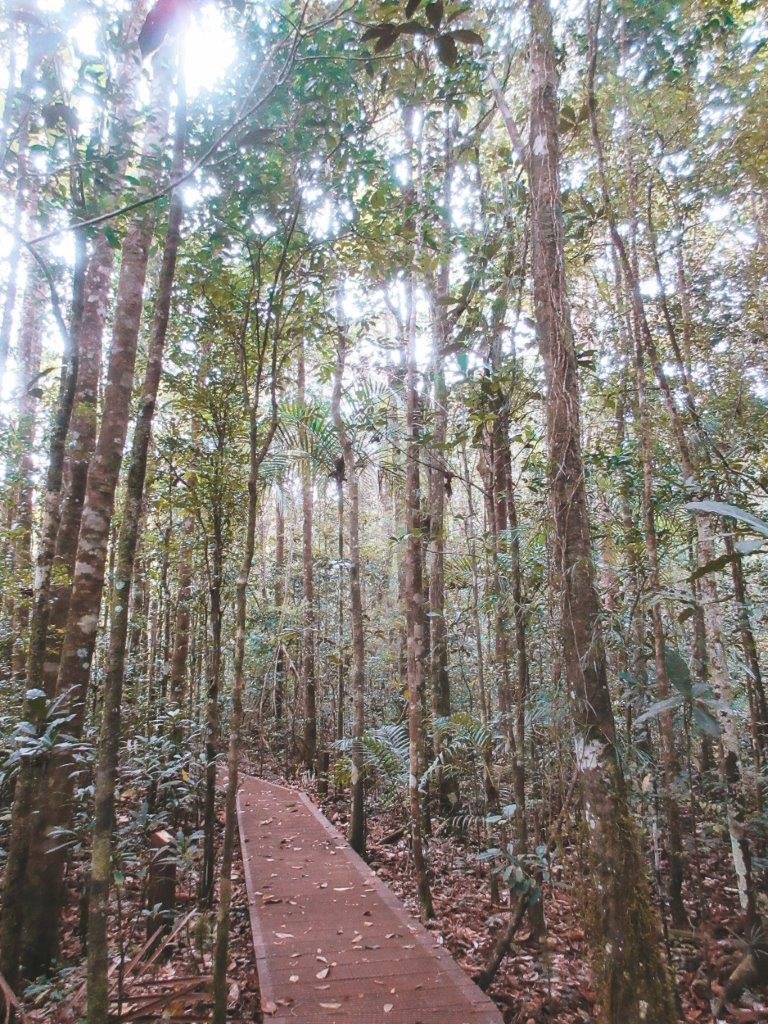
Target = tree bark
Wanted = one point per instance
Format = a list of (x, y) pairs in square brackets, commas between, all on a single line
[(30, 340), (109, 737), (755, 683), (280, 661), (45, 869), (308, 680), (357, 625), (634, 984), (212, 709), (180, 655), (258, 448), (82, 433), (413, 593)]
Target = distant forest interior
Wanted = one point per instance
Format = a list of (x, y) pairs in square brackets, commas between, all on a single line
[(384, 433)]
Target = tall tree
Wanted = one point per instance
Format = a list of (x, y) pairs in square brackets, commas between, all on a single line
[(109, 738), (634, 983)]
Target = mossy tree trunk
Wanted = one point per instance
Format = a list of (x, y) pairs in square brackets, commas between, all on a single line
[(634, 984)]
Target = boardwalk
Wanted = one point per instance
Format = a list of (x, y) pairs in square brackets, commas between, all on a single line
[(333, 944)]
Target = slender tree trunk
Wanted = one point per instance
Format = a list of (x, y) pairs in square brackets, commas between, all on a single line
[(221, 946), (257, 452), (439, 681), (45, 870), (357, 625), (30, 339), (666, 725), (309, 682), (341, 666), (634, 984), (180, 655), (413, 593), (83, 428), (109, 738), (212, 713), (437, 480), (469, 531), (280, 665), (755, 683)]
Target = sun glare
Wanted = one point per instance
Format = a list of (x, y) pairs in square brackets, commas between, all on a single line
[(210, 49)]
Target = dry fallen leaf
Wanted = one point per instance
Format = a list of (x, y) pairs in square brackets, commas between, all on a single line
[(331, 1006), (267, 1006), (388, 1007), (322, 975)]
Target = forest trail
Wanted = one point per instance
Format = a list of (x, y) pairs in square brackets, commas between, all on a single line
[(333, 944)]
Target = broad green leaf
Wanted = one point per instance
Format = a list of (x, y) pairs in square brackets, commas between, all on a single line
[(658, 708), (705, 722), (678, 671), (714, 566), (722, 508)]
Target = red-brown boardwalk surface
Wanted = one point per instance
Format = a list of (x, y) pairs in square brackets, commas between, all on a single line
[(333, 943)]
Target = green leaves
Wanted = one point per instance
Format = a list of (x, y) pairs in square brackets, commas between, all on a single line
[(447, 50), (713, 566), (677, 669), (697, 697), (387, 33), (466, 35), (722, 508), (434, 12)]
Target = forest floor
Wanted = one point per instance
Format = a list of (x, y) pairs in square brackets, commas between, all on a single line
[(170, 982), (552, 982), (535, 984)]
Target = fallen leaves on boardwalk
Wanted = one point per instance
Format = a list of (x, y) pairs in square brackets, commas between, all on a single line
[(553, 985)]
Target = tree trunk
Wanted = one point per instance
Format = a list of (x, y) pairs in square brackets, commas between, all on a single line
[(212, 712), (634, 985), (280, 665), (45, 870), (755, 683), (82, 433), (413, 593), (257, 452), (309, 683), (109, 737), (663, 688), (30, 339), (180, 655), (357, 625)]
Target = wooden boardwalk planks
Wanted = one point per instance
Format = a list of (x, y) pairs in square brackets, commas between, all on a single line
[(333, 944)]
